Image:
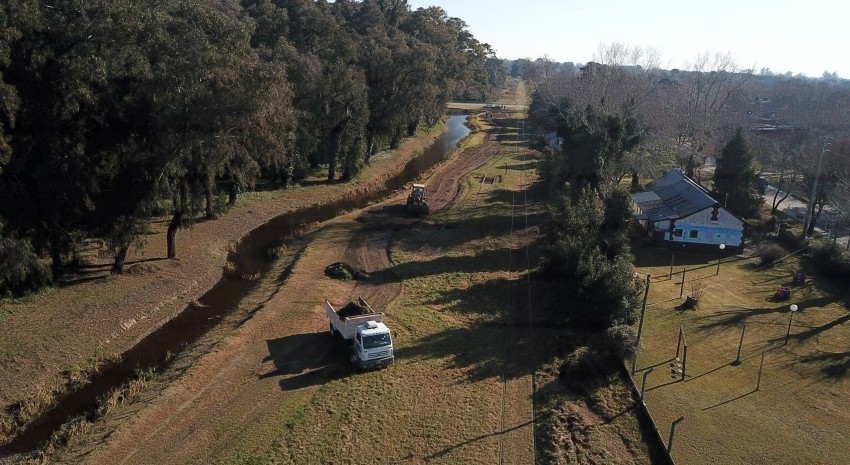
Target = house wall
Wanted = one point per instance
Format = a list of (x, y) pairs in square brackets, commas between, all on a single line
[(727, 229)]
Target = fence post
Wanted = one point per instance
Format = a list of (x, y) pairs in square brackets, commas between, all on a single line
[(682, 288), (672, 432), (672, 260), (740, 344), (643, 384)]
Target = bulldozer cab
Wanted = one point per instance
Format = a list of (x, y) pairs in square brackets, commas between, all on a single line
[(416, 200), (419, 190)]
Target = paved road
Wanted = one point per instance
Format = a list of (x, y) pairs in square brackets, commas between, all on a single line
[(796, 209)]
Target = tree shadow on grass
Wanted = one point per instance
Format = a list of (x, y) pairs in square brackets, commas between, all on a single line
[(814, 331), (87, 272), (529, 165), (486, 261), (832, 364), (475, 224), (736, 317), (478, 349)]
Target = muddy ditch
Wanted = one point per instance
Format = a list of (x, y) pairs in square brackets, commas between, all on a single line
[(246, 264)]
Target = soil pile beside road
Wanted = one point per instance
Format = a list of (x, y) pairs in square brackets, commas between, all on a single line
[(79, 324)]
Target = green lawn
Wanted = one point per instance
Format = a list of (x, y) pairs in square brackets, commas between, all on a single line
[(800, 414)]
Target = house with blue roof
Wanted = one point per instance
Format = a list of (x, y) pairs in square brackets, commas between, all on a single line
[(675, 210)]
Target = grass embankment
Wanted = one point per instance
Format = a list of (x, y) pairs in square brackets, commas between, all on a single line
[(53, 341), (800, 414), (441, 400), (455, 321)]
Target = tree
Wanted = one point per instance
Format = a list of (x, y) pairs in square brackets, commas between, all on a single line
[(76, 69), (702, 103), (841, 199), (594, 145), (735, 176), (589, 257)]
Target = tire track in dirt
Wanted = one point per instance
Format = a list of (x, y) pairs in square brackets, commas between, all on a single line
[(370, 247), (277, 360)]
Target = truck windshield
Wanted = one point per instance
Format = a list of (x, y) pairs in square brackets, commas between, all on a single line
[(376, 340)]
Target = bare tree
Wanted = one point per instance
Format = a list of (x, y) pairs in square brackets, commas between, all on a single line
[(710, 97), (776, 155)]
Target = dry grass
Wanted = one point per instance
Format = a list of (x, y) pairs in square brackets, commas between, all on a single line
[(42, 397), (45, 333), (441, 402), (802, 411)]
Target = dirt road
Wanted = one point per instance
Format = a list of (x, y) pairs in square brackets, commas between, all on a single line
[(281, 356), (67, 329)]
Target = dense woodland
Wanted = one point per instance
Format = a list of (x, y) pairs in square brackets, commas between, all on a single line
[(112, 112)]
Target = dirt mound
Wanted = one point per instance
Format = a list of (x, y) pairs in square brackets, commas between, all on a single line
[(140, 269), (343, 271), (354, 308)]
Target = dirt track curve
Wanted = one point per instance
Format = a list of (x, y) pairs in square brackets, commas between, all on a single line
[(280, 357)]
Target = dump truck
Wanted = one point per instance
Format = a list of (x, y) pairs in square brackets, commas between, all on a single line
[(416, 200), (364, 329)]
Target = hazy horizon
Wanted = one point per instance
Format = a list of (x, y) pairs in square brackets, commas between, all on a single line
[(779, 35)]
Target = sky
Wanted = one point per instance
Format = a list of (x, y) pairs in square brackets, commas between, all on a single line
[(807, 37)]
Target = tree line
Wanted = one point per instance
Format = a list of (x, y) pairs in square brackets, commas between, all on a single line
[(691, 114), (621, 115), (112, 112)]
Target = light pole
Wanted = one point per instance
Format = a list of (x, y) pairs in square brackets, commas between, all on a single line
[(794, 308), (722, 246)]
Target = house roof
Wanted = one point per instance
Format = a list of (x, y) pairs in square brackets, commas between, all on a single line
[(679, 197), (648, 196)]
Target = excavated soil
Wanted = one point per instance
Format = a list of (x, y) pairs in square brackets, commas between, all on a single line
[(279, 357), (103, 315)]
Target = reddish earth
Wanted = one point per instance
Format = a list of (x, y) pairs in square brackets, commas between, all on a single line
[(98, 315), (276, 360)]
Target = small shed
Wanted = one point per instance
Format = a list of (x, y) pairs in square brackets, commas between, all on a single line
[(675, 210)]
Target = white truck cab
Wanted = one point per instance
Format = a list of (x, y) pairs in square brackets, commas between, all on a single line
[(372, 346), (371, 340)]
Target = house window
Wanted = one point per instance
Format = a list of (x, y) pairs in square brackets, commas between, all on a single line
[(694, 234), (677, 233)]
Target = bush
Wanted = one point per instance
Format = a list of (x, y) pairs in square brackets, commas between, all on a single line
[(791, 240), (618, 342), (585, 369), (830, 259), (769, 253), (21, 271)]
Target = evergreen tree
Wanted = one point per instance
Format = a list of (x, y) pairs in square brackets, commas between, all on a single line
[(594, 145), (588, 254), (735, 176)]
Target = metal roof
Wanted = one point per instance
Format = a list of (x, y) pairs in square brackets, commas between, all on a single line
[(680, 197)]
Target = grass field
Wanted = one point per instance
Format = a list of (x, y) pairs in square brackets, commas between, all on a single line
[(800, 413), (446, 399)]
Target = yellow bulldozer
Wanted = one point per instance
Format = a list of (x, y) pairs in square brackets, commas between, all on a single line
[(416, 204)]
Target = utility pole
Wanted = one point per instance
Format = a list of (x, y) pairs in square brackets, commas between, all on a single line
[(811, 206)]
